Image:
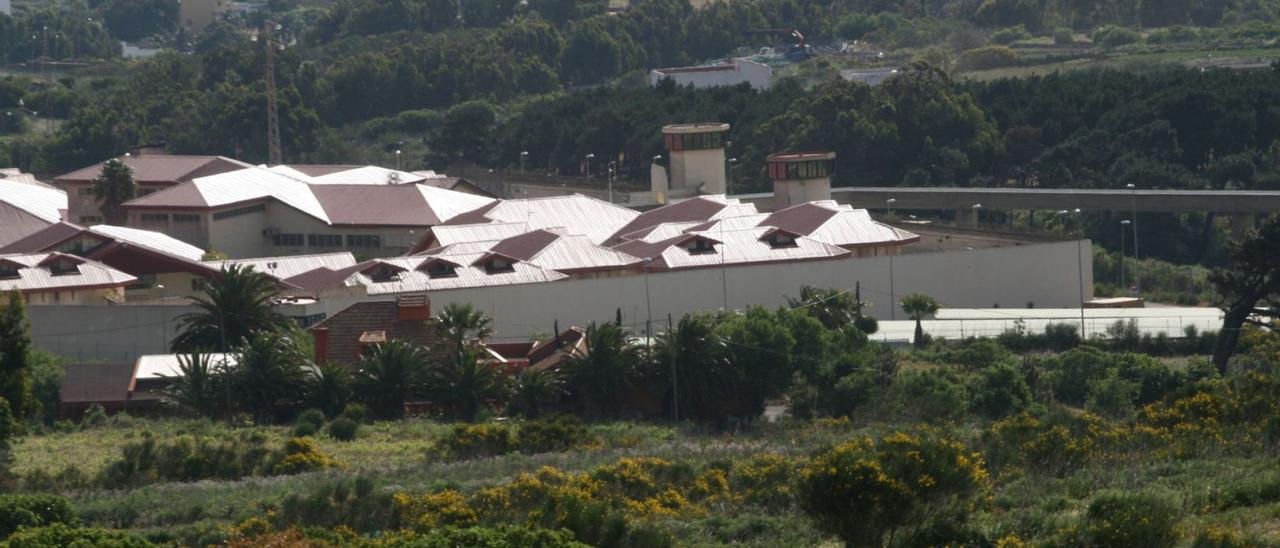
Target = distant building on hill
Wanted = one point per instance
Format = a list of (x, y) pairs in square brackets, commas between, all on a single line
[(759, 75), (195, 15)]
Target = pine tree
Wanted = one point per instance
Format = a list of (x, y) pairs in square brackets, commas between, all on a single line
[(112, 188), (15, 357)]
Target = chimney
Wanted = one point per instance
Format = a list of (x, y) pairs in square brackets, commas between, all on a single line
[(413, 308), (800, 177), (697, 157)]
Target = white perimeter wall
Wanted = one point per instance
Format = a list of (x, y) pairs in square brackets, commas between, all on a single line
[(1045, 274)]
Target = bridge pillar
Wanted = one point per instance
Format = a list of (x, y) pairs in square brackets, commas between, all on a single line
[(1241, 223), (967, 217)]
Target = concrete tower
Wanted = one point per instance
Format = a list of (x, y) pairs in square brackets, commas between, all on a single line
[(696, 153), (800, 177)]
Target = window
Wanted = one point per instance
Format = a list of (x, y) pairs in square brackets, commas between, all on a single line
[(197, 284), (699, 246), (385, 274), (441, 269), (363, 240), (63, 268), (85, 191), (239, 211), (324, 240), (288, 240), (782, 240), (90, 220), (154, 217), (9, 272), (185, 218), (694, 141), (498, 265), (813, 169)]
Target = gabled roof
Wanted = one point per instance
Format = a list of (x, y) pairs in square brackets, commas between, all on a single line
[(700, 208), (366, 175), (731, 247), (284, 268), (414, 279), (836, 224), (445, 235), (43, 239), (577, 214), (55, 235), (161, 168), (34, 274), (563, 252), (40, 201), (236, 187)]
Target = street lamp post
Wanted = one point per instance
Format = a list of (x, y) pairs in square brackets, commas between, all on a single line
[(589, 157), (1123, 224), (733, 164), (977, 214), (888, 205), (612, 167), (398, 152), (523, 155), (1079, 270), (1133, 214)]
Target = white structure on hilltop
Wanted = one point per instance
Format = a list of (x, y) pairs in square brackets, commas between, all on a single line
[(759, 75)]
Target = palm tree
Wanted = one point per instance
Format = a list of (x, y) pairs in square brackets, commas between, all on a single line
[(113, 187), (200, 386), (463, 383), (696, 357), (917, 306), (610, 364), (388, 375), (270, 369), (533, 391), (458, 323), (236, 306), (329, 388)]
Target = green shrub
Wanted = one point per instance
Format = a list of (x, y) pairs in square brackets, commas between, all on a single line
[(987, 57), (314, 417), (1111, 37), (348, 503), (930, 395), (488, 537), (1063, 36), (1070, 374), (976, 354), (343, 429), (187, 458), (999, 391), (33, 511), (1112, 396), (306, 429), (93, 417), (1009, 35), (472, 441), (546, 436), (1122, 518), (64, 536), (1172, 35), (355, 411)]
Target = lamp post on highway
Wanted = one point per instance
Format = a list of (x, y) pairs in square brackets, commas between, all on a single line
[(398, 152), (977, 214), (1123, 224), (589, 157), (1133, 214), (524, 154), (888, 205), (1079, 268), (611, 171), (733, 164)]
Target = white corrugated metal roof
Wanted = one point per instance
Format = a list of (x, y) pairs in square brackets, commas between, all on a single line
[(150, 239), (39, 200), (595, 219), (415, 281), (855, 227), (448, 204), (38, 278), (366, 175), (155, 366), (448, 235), (254, 183), (745, 246), (287, 267), (575, 251)]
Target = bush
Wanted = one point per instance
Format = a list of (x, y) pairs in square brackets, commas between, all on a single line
[(1119, 518), (487, 537), (932, 394), (346, 503), (302, 455), (93, 417), (862, 490), (1009, 35), (546, 436), (33, 511), (987, 57), (1111, 37), (472, 441), (1070, 374), (1172, 35), (355, 411), (999, 391), (311, 419), (1112, 396), (343, 429), (187, 458), (1063, 37), (61, 536)]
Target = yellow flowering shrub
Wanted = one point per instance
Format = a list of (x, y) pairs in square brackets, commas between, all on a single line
[(302, 455), (1057, 444), (765, 480), (434, 510)]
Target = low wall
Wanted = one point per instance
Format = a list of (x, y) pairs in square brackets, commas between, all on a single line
[(104, 333)]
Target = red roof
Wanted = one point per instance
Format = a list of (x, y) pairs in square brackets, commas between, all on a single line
[(161, 168), (800, 219), (394, 205), (44, 239), (685, 211)]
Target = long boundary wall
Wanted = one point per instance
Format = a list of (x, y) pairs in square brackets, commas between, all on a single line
[(1045, 274)]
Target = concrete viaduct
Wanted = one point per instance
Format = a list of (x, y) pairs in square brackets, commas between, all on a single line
[(1242, 206)]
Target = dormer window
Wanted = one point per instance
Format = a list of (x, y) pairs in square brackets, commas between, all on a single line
[(441, 269), (384, 274), (9, 271), (499, 265), (781, 240), (63, 268), (699, 246)]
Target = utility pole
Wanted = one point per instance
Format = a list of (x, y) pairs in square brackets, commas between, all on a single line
[(275, 154), (675, 384)]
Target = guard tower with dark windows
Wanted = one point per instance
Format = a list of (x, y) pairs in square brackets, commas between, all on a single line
[(800, 177), (696, 153)]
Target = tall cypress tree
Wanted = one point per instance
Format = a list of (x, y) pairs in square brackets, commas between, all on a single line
[(15, 356)]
